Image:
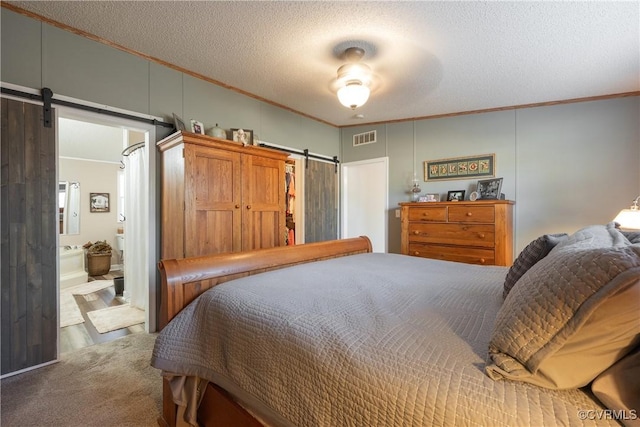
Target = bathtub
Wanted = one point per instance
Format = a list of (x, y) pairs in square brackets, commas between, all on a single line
[(72, 267)]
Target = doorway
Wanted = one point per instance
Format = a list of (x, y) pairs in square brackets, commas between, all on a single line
[(364, 201), (90, 150)]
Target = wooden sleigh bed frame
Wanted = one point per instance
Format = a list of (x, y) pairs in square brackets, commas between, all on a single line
[(184, 279)]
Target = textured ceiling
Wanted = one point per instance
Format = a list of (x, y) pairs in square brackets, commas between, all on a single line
[(429, 58), (84, 140)]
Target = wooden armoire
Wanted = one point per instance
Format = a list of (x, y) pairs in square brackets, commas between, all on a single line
[(220, 196)]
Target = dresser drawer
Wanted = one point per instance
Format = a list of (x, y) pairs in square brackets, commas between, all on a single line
[(485, 214), (453, 234), (428, 214), (453, 253)]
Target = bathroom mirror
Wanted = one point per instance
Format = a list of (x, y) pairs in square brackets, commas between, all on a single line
[(69, 207)]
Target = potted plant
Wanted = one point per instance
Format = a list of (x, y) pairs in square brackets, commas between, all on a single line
[(98, 258)]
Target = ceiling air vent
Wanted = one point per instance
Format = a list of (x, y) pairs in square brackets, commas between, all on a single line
[(364, 138)]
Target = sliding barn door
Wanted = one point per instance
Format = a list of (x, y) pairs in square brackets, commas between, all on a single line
[(320, 202), (28, 247)]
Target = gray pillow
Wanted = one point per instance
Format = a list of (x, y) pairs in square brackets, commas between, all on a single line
[(619, 387), (530, 255), (572, 315), (632, 236)]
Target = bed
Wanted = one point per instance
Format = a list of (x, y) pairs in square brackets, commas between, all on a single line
[(331, 334)]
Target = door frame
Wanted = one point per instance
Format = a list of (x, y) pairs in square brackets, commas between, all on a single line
[(300, 183), (150, 139), (381, 191)]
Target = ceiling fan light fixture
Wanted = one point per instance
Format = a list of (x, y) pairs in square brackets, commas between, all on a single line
[(353, 95), (357, 71), (354, 78)]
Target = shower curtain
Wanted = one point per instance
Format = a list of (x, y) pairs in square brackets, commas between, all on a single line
[(72, 210), (136, 196)]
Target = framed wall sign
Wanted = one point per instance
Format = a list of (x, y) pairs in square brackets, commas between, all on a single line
[(460, 167)]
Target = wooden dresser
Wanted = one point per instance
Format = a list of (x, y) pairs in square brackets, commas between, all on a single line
[(218, 196), (479, 232)]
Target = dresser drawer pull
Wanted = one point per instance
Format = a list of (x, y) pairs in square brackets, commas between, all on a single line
[(416, 253), (416, 232), (482, 261), (481, 235), (469, 214)]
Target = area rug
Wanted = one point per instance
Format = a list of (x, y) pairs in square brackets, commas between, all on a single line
[(104, 385), (89, 287), (116, 317), (69, 311)]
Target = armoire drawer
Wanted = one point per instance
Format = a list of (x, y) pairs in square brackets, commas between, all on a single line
[(453, 253), (481, 235)]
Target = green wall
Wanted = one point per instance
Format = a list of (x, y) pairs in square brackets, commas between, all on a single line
[(566, 166), (37, 55)]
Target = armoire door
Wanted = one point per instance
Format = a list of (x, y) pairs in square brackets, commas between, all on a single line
[(263, 197), (214, 201), (29, 272)]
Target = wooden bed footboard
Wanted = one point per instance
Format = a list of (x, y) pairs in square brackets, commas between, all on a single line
[(184, 279)]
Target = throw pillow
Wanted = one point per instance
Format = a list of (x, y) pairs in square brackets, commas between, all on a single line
[(619, 388), (633, 236), (530, 255), (572, 315)]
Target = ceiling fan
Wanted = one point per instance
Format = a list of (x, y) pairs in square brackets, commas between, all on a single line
[(354, 79)]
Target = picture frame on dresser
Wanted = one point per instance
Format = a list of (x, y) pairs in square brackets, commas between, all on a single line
[(429, 197), (455, 195), (489, 189)]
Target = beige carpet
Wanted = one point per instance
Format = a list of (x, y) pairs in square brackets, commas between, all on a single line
[(69, 311), (105, 385), (116, 317)]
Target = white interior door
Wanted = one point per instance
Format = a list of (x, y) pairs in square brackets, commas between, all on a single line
[(365, 194)]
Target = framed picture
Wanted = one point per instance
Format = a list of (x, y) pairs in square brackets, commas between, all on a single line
[(432, 197), (197, 127), (489, 188), (244, 136), (178, 122), (460, 167), (98, 202), (455, 196)]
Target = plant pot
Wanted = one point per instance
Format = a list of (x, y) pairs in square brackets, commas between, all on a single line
[(98, 264)]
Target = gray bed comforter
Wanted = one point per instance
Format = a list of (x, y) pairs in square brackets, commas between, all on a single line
[(365, 340)]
